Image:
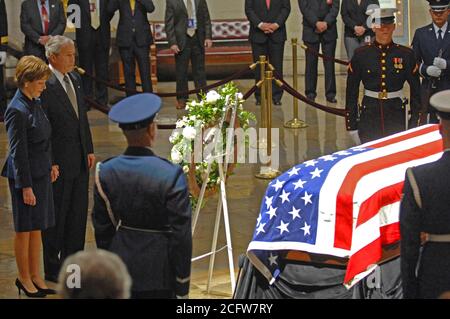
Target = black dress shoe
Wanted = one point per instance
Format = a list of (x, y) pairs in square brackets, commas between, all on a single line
[(311, 97), (331, 99), (51, 278), (277, 102), (20, 287), (47, 291)]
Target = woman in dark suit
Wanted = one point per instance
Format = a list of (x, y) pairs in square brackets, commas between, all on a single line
[(29, 171), (357, 32)]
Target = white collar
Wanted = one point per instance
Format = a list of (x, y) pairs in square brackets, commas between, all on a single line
[(444, 28)]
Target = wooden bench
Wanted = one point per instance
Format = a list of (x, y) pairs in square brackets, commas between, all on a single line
[(231, 51)]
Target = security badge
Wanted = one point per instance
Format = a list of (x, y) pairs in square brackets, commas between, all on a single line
[(192, 24), (398, 63)]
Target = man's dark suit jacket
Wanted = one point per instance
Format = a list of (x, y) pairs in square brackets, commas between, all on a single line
[(71, 136), (132, 27), (86, 32), (257, 12), (176, 21), (319, 10), (355, 15), (31, 24)]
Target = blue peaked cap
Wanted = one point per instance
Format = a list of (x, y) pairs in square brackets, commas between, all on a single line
[(135, 112)]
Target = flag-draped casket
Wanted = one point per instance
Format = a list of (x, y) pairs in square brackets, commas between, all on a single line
[(344, 204)]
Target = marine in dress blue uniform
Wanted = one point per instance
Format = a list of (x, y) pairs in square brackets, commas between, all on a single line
[(383, 69), (141, 208), (425, 218), (431, 45)]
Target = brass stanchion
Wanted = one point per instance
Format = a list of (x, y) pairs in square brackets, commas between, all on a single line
[(295, 122), (268, 172), (262, 142)]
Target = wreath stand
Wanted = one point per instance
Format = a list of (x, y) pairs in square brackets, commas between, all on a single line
[(222, 205)]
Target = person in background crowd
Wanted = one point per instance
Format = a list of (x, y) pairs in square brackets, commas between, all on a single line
[(93, 44), (357, 32), (39, 20), (425, 221), (142, 210), (103, 275), (383, 67), (29, 171), (268, 36), (134, 39), (319, 29), (72, 153), (3, 43), (188, 35), (431, 45)]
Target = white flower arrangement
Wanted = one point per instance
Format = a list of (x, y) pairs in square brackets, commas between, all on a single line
[(202, 115)]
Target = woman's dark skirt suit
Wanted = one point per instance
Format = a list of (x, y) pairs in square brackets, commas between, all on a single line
[(29, 163)]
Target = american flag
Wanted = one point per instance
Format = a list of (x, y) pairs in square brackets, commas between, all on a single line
[(345, 204)]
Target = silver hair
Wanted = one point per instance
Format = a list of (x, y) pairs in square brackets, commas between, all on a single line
[(103, 275), (55, 44)]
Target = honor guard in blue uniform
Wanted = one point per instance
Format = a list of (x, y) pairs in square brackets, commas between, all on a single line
[(141, 208), (431, 44), (425, 218), (383, 67)]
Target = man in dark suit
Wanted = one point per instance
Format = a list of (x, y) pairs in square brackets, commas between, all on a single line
[(134, 39), (3, 42), (357, 32), (431, 45), (72, 151), (319, 29), (93, 43), (268, 35), (141, 208), (39, 20), (425, 221), (188, 29)]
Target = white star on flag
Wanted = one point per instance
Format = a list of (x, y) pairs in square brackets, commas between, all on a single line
[(307, 198), (342, 153), (283, 227), (268, 201), (261, 228), (278, 185), (328, 158), (306, 229), (294, 212), (299, 184), (316, 173), (258, 220), (311, 163), (271, 212), (359, 149), (273, 259), (293, 171), (284, 197)]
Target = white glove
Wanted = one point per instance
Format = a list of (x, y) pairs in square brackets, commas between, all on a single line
[(355, 137), (2, 57), (434, 71), (440, 63)]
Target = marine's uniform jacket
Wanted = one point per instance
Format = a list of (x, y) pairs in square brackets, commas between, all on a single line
[(383, 69), (432, 216), (142, 212)]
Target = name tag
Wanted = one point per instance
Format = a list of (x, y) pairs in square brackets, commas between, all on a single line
[(192, 24)]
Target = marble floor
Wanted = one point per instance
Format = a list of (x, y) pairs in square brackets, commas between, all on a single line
[(325, 134)]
